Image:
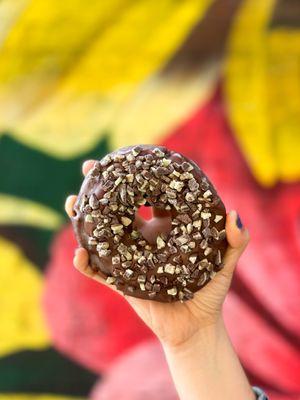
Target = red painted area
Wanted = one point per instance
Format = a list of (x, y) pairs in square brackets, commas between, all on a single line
[(140, 374), (88, 321), (263, 315)]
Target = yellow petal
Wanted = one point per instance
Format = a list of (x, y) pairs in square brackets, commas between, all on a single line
[(84, 103), (14, 210), (42, 46), (283, 80), (159, 105), (263, 100), (21, 321), (30, 396), (10, 10)]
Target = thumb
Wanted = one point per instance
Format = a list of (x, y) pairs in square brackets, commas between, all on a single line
[(238, 237)]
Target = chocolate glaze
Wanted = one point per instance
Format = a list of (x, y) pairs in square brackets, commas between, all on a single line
[(193, 276)]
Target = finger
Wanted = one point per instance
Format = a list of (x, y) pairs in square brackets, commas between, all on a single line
[(81, 263), (87, 165), (69, 205), (238, 237)]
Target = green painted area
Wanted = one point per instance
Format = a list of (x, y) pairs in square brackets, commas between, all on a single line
[(30, 174), (44, 371)]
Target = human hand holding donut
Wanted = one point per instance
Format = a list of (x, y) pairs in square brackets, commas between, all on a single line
[(174, 323), (192, 332)]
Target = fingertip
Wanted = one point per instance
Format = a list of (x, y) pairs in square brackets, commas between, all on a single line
[(238, 238), (81, 259), (87, 166), (237, 234), (69, 205)]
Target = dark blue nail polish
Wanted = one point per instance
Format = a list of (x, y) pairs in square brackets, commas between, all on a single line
[(239, 223)]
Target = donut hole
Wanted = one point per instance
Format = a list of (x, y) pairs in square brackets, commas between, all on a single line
[(156, 222), (145, 212)]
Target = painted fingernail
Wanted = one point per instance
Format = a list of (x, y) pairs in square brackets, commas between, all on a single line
[(239, 223)]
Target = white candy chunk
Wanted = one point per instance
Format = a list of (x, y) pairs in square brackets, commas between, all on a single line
[(126, 221), (207, 251), (160, 242), (129, 178), (205, 215), (118, 181), (218, 218), (117, 228), (193, 259), (197, 224), (207, 194), (172, 291), (88, 218), (170, 269)]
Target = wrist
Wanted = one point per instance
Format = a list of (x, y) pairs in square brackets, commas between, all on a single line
[(205, 338), (202, 360)]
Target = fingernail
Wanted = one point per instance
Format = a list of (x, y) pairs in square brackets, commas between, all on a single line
[(238, 221)]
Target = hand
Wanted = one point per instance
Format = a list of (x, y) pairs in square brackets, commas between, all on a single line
[(176, 323)]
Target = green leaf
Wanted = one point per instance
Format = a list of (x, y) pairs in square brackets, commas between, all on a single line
[(30, 174), (44, 371)]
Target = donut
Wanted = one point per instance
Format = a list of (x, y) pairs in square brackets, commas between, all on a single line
[(187, 250)]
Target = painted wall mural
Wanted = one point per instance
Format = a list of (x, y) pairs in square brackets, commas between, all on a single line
[(217, 80)]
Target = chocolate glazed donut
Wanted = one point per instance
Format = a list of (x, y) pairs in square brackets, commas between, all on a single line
[(179, 262)]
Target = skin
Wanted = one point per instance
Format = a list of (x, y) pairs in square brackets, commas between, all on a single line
[(192, 333)]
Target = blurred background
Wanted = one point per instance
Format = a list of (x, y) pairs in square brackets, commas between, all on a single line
[(219, 81)]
